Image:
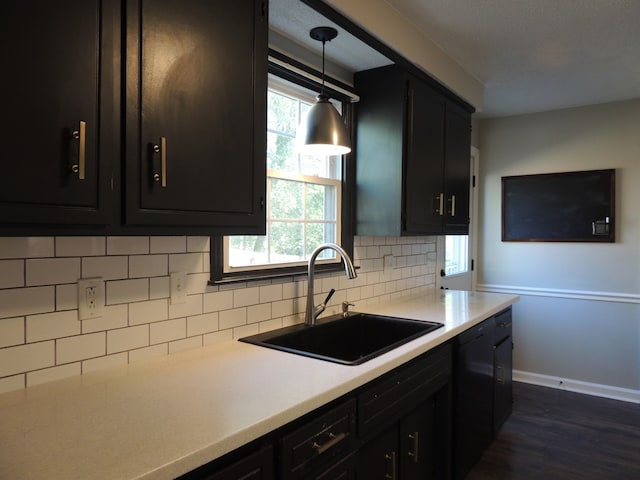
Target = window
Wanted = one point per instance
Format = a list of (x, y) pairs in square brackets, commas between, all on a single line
[(456, 254), (304, 194)]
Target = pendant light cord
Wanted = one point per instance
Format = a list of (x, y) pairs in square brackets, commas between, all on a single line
[(322, 88)]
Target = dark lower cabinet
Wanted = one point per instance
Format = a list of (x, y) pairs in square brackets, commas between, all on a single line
[(503, 368), (258, 465), (395, 427), (482, 397)]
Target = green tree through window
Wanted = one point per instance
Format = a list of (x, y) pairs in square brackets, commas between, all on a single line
[(303, 193)]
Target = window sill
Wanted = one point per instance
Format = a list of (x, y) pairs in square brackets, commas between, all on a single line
[(274, 274)]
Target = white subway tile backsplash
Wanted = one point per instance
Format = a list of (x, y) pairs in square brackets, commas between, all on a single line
[(25, 358), (217, 337), (67, 296), (162, 332), (50, 271), (217, 301), (11, 273), (159, 287), (198, 244), (11, 331), (259, 313), (185, 344), (149, 311), (15, 382), (246, 296), (270, 293), (201, 324), (53, 373), (148, 266), (153, 351), (48, 326), (113, 316), (233, 318), (42, 340), (193, 306), (100, 363), (125, 291), (167, 244), (80, 246), (129, 338), (25, 301), (127, 245), (186, 262), (108, 268), (26, 247), (81, 347)]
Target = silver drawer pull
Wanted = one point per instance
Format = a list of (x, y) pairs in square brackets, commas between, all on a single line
[(333, 440), (81, 136)]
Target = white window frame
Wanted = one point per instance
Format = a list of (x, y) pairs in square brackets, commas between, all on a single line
[(302, 94)]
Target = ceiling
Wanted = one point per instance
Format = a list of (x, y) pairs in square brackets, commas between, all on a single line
[(530, 55)]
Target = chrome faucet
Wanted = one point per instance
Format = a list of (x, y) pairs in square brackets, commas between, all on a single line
[(312, 312)]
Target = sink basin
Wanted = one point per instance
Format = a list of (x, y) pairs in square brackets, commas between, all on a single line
[(350, 341)]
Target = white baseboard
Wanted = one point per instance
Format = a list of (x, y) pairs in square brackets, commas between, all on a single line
[(607, 391)]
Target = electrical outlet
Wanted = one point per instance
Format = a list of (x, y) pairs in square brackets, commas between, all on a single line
[(90, 298), (178, 282)]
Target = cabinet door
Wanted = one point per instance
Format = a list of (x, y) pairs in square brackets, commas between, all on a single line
[(52, 75), (424, 200), (378, 459), (457, 170), (502, 387), (196, 113), (258, 466), (417, 442)]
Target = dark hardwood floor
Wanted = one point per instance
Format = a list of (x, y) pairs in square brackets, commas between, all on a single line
[(554, 434)]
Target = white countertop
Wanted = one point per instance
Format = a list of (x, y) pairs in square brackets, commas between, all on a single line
[(161, 418)]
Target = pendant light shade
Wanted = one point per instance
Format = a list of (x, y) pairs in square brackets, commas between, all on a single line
[(322, 131)]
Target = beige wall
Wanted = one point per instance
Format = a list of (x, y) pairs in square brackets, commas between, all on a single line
[(579, 318)]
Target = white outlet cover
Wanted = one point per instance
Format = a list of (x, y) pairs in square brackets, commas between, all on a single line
[(178, 287), (90, 298)]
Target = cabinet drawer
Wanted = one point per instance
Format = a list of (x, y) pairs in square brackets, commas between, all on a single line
[(320, 440), (503, 326), (390, 397)]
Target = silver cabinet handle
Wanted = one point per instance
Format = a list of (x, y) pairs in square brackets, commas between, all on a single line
[(81, 136), (393, 463), (161, 149), (440, 207), (453, 206), (333, 440), (414, 452)]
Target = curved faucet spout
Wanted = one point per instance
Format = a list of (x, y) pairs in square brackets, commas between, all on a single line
[(350, 271)]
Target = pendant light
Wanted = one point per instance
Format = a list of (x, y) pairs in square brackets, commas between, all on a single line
[(322, 132)]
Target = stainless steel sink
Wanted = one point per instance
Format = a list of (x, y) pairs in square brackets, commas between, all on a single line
[(350, 340)]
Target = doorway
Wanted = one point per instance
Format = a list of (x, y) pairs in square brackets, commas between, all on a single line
[(456, 253)]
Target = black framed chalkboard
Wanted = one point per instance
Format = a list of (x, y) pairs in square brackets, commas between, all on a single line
[(559, 207)]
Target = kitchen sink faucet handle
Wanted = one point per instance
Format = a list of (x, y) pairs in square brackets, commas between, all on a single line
[(345, 308)]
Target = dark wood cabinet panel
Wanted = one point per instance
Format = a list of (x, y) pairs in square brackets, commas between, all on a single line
[(457, 177), (413, 156), (196, 113), (57, 143), (424, 166), (378, 459), (188, 88)]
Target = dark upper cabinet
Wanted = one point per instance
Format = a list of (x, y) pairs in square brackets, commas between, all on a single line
[(413, 156), (196, 74), (57, 130), (145, 116)]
